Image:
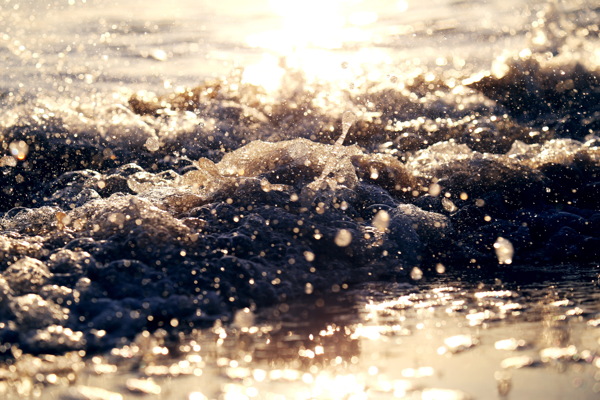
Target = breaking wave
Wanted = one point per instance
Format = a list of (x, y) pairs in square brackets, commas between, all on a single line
[(142, 211)]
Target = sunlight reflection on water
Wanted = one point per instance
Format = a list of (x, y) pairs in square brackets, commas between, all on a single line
[(384, 341), (59, 45)]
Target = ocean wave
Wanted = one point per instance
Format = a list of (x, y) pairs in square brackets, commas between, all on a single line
[(126, 213)]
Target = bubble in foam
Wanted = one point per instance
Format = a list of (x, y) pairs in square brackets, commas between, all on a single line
[(343, 238), (504, 250)]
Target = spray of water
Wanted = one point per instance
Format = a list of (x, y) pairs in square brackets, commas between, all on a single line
[(348, 118)]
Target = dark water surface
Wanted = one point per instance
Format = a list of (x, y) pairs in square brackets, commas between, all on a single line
[(326, 200)]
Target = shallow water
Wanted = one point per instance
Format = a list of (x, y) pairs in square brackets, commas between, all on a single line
[(444, 339), (221, 199)]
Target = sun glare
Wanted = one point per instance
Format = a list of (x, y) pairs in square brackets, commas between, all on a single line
[(309, 23), (314, 36)]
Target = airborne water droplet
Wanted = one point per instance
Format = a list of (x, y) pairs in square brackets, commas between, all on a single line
[(309, 256), (435, 189), (504, 250), (440, 268), (19, 149), (381, 220), (152, 144), (416, 274), (308, 288), (449, 205), (343, 238)]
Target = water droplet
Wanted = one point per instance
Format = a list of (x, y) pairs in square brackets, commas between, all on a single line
[(19, 149), (243, 318), (308, 288), (158, 54), (374, 173), (416, 273), (152, 144), (309, 256), (343, 238), (435, 189), (449, 205), (381, 220), (504, 250)]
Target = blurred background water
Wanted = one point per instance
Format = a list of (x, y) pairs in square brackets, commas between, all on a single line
[(97, 44)]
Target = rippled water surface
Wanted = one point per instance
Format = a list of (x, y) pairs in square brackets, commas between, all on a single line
[(445, 339), (361, 199)]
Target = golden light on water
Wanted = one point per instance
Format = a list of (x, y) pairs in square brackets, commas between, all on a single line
[(314, 23), (323, 39), (267, 73)]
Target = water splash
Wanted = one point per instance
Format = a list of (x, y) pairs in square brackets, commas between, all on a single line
[(348, 119)]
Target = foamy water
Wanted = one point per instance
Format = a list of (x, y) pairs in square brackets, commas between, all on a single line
[(173, 168)]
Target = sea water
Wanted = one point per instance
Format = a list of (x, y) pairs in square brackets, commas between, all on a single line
[(263, 199)]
